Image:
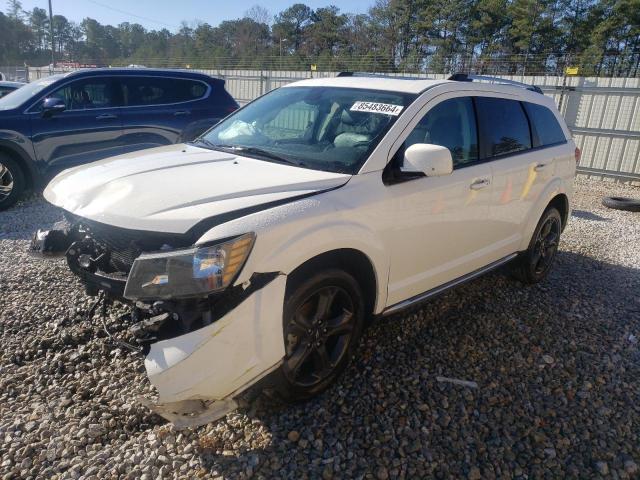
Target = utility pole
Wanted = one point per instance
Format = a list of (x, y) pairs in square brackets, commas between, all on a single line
[(53, 51)]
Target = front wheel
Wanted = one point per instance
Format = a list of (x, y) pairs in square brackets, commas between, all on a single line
[(322, 323), (534, 264), (12, 182)]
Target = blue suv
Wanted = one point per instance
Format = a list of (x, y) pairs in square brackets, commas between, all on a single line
[(79, 117)]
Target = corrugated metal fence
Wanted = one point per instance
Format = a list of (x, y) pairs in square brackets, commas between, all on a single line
[(602, 113)]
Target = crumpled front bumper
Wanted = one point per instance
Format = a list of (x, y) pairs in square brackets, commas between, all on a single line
[(198, 375)]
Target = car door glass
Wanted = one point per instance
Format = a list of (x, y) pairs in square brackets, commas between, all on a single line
[(87, 94), (150, 90), (450, 124), (545, 124), (504, 126)]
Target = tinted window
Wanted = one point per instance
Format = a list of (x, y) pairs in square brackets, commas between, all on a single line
[(545, 125), (5, 90), (451, 124), (88, 94), (504, 126), (160, 90)]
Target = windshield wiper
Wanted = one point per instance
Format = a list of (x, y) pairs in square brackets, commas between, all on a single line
[(209, 143), (266, 154), (251, 150)]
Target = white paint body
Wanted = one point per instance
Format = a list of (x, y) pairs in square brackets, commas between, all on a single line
[(418, 235)]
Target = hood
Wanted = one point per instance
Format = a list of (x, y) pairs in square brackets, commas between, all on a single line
[(170, 189)]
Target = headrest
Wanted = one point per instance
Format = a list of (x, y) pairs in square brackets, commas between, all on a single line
[(353, 118)]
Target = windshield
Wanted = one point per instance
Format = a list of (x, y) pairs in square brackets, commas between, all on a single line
[(24, 93), (324, 128)]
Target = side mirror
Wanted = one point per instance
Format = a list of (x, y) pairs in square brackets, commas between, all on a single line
[(53, 105), (432, 160)]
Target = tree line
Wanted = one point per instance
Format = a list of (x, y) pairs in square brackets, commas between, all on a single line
[(601, 37)]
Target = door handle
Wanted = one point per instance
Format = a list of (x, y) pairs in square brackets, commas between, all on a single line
[(106, 116), (540, 167), (181, 113), (480, 183)]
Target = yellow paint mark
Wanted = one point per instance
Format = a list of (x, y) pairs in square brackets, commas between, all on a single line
[(530, 179)]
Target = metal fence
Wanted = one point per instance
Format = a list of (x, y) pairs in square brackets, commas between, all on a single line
[(603, 113), (14, 74)]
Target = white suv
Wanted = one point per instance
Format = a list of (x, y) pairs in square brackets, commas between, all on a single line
[(262, 249)]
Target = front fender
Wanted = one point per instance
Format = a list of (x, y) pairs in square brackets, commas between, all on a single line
[(289, 235)]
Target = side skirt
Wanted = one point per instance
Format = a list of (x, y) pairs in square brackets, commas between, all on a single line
[(398, 307)]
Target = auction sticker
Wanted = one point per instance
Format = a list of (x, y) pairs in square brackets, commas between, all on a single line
[(372, 107)]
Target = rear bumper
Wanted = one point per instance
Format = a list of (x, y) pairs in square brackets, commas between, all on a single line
[(197, 375)]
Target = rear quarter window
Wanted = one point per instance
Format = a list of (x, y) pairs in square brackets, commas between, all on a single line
[(544, 124), (503, 125)]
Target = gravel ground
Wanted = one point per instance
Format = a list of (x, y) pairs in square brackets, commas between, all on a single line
[(556, 370)]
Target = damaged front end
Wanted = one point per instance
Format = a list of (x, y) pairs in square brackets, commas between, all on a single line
[(205, 339)]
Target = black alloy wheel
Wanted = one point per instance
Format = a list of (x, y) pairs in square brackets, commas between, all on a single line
[(12, 181), (534, 264), (546, 245), (322, 323)]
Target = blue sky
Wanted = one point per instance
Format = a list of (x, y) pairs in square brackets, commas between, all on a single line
[(156, 14)]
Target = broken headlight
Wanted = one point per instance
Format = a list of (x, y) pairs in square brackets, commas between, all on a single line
[(191, 272)]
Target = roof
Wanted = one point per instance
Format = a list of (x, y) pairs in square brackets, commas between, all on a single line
[(419, 85), (400, 84)]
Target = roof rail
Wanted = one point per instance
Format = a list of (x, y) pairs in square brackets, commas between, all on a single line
[(463, 77), (379, 75)]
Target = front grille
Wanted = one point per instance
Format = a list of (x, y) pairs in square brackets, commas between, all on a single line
[(125, 245)]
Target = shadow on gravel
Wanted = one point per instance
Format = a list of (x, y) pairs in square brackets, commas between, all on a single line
[(589, 216), (557, 392)]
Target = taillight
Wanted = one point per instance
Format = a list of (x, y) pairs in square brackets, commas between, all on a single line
[(578, 155)]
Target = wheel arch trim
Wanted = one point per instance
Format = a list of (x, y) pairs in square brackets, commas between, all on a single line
[(555, 189)]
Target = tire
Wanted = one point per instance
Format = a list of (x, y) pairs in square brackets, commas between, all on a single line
[(534, 264), (12, 181), (305, 371), (622, 203)]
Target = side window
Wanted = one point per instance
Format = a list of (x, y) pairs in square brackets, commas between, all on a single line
[(160, 90), (292, 122), (451, 124), (88, 94), (545, 125), (504, 126)]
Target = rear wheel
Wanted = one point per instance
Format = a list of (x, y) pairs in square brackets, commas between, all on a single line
[(12, 181), (534, 264), (322, 323)]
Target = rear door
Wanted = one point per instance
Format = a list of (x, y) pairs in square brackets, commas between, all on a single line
[(89, 129), (520, 171), (164, 110)]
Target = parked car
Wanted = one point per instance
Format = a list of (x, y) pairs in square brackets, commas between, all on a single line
[(65, 120), (262, 249), (7, 87)]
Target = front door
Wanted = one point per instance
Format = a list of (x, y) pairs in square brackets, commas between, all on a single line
[(89, 129), (439, 231)]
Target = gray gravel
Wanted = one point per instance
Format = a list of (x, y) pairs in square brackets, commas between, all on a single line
[(556, 370)]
